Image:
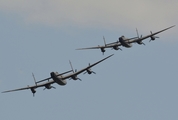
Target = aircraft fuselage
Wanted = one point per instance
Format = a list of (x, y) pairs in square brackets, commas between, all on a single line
[(58, 79), (125, 42)]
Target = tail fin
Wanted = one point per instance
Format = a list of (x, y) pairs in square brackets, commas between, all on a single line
[(34, 79), (137, 33), (104, 41), (71, 66)]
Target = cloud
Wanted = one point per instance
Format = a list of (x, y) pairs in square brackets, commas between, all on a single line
[(94, 13)]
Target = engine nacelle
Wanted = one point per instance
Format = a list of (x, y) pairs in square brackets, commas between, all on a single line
[(48, 86), (103, 50), (116, 47), (89, 71), (74, 77), (140, 42), (33, 91), (152, 37)]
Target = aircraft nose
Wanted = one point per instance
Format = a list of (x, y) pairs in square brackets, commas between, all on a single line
[(52, 74)]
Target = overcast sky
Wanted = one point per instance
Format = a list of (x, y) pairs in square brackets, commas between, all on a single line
[(41, 36)]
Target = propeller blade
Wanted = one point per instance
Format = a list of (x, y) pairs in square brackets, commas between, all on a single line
[(79, 79), (93, 72), (53, 87)]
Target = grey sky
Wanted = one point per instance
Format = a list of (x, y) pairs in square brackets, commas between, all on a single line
[(41, 36), (94, 12)]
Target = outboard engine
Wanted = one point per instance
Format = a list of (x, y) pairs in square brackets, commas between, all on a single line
[(89, 71), (153, 37)]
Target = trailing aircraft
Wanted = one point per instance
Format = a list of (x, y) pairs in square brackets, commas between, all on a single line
[(60, 79), (126, 42)]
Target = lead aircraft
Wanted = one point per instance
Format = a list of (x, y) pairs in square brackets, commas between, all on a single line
[(126, 42), (60, 79)]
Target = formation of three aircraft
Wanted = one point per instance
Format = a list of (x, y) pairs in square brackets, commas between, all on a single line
[(60, 79)]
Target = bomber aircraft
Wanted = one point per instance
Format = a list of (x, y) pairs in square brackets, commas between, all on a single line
[(60, 79), (126, 42)]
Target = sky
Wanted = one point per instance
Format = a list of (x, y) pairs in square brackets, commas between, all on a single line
[(41, 36)]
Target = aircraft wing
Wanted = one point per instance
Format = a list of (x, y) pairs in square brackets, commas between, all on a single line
[(38, 85), (110, 45), (118, 43), (152, 34), (31, 87), (84, 69)]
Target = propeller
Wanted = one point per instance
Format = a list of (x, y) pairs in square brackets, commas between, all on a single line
[(75, 76), (143, 43), (153, 37), (139, 42), (79, 79), (89, 71)]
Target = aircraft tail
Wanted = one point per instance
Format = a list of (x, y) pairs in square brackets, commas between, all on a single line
[(104, 41), (71, 66), (34, 79)]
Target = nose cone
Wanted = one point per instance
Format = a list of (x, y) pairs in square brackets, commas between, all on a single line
[(52, 74), (120, 39)]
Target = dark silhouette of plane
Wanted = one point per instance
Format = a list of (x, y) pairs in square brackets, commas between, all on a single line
[(126, 42), (60, 79)]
